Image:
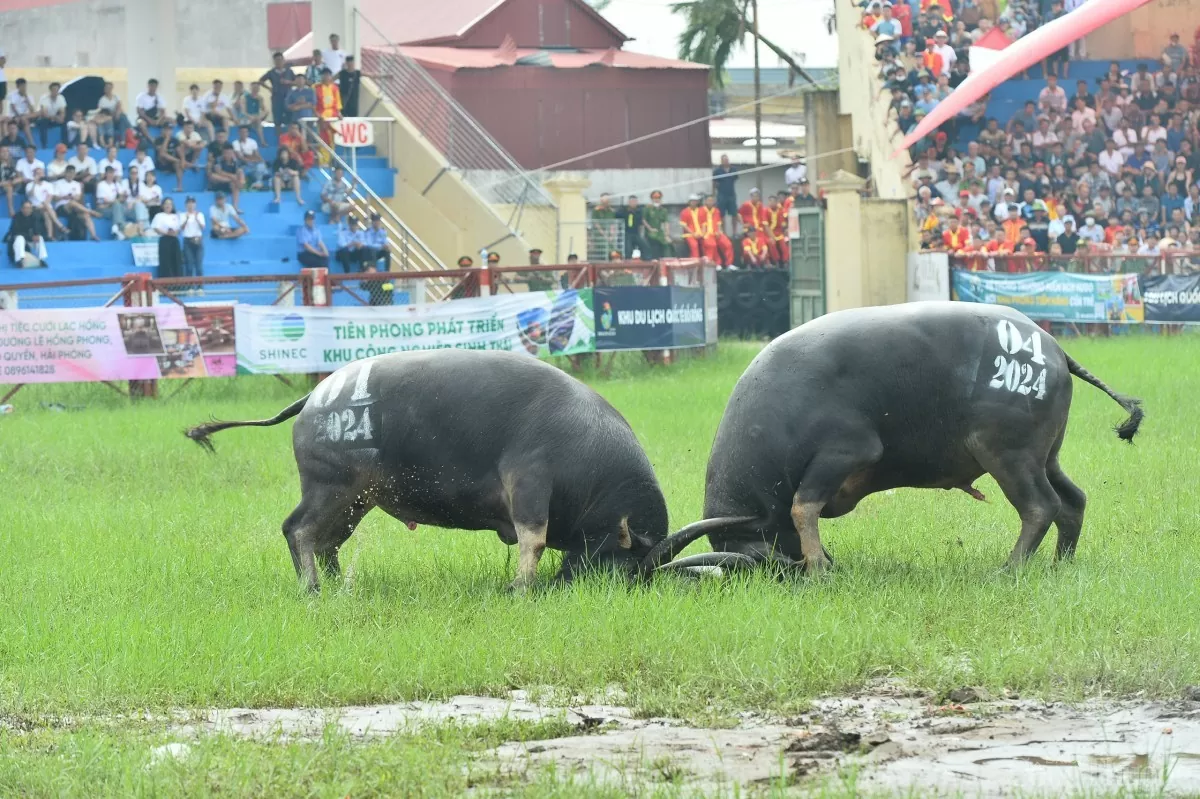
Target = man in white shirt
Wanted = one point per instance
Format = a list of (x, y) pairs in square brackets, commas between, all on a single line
[(217, 107), (1053, 97), (30, 164), (151, 111), (68, 200), (110, 160), (20, 108), (40, 195), (795, 173), (192, 231), (226, 223), (52, 113), (1112, 159), (143, 162), (252, 161), (196, 111), (1091, 231), (86, 170), (112, 201), (334, 57), (941, 46)]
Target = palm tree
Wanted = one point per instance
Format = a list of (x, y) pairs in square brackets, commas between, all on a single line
[(715, 27)]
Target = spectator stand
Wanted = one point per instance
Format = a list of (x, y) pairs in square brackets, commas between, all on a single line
[(1045, 136)]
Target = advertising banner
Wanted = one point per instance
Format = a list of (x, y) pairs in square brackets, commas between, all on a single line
[(649, 317), (1171, 298), (1055, 296), (305, 339), (71, 345)]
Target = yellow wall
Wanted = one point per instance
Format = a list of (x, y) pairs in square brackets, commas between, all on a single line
[(867, 241), (831, 131), (862, 97), (1145, 32), (886, 226)]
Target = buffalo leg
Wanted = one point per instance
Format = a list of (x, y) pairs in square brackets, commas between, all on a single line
[(324, 516), (1026, 485), (326, 552), (528, 502), (1070, 516), (825, 475)]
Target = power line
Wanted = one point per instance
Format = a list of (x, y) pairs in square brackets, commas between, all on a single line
[(708, 178)]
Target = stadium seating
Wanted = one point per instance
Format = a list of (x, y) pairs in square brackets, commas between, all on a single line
[(269, 249)]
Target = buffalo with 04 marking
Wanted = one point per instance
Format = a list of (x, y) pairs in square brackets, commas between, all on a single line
[(924, 395), (474, 440)]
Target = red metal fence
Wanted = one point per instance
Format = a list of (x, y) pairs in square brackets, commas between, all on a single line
[(1168, 263)]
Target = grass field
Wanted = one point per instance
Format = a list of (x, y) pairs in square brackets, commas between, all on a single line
[(140, 573)]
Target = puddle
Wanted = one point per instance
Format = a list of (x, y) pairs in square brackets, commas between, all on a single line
[(897, 742)]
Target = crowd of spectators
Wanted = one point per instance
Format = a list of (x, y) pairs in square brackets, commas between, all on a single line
[(1103, 167), (217, 133)]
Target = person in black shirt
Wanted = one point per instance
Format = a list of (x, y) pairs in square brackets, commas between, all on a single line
[(349, 80), (26, 234), (1069, 238), (725, 187), (279, 80), (631, 217)]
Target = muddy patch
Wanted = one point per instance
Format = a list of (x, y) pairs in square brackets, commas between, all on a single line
[(891, 740)]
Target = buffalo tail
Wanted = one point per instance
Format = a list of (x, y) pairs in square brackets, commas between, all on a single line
[(1133, 406), (201, 432)]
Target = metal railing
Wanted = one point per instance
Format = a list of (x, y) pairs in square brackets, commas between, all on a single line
[(1172, 262), (604, 237), (467, 147), (386, 122), (409, 253)]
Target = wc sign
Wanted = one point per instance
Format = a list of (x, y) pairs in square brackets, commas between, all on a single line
[(353, 132)]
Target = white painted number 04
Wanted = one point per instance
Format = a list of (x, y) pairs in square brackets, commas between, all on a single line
[(1012, 375)]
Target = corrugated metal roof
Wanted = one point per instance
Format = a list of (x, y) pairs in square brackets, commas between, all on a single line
[(423, 22), (454, 58)]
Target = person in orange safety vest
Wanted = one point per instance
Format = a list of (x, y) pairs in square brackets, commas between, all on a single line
[(752, 214), (777, 233), (718, 247), (691, 219)]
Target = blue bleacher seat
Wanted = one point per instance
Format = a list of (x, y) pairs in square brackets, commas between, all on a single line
[(269, 249)]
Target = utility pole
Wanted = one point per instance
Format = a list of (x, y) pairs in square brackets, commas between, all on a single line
[(757, 105)]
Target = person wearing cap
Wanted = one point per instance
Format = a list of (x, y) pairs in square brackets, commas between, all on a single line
[(633, 219), (350, 245), (310, 247), (887, 24), (931, 60), (655, 228), (375, 246), (717, 246), (225, 220), (1039, 226), (692, 223), (753, 215), (466, 262), (941, 45), (947, 188), (493, 258)]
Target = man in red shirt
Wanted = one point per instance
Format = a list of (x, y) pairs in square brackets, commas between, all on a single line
[(753, 216), (956, 237), (777, 231), (715, 240), (691, 219)]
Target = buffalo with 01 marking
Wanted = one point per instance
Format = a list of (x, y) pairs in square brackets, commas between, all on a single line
[(472, 440), (924, 395)]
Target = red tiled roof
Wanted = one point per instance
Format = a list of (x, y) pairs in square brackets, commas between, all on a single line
[(455, 58)]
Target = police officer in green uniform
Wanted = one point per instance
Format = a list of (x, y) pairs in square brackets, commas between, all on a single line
[(655, 231), (602, 230), (538, 281)]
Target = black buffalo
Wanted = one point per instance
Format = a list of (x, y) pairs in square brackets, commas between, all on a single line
[(924, 395), (475, 441)]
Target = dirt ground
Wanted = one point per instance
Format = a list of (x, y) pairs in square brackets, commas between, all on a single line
[(890, 739)]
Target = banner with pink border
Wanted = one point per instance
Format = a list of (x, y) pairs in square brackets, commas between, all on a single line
[(72, 345)]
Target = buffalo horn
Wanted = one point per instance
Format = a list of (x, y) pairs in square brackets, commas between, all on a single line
[(669, 547)]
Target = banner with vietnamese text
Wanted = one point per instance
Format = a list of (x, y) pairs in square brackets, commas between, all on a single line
[(1171, 298), (1055, 296), (306, 339), (69, 345), (649, 317)]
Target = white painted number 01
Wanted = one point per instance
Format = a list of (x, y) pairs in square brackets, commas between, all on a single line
[(345, 425)]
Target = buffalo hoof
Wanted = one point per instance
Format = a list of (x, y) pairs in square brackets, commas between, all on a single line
[(519, 587)]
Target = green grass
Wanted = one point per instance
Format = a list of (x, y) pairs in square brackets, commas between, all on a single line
[(140, 573)]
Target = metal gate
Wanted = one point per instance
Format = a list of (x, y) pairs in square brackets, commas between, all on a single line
[(808, 264)]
